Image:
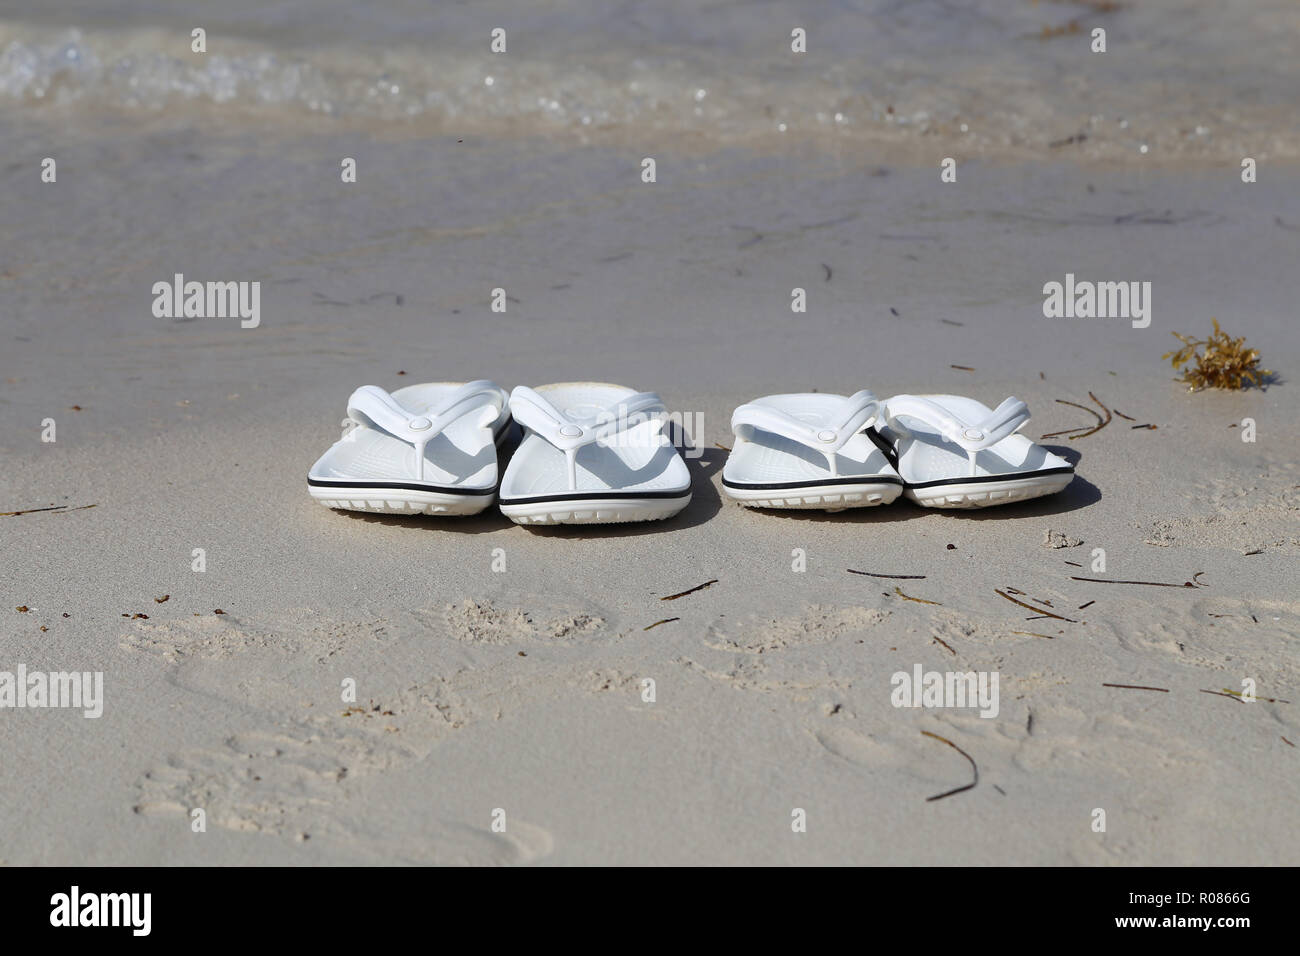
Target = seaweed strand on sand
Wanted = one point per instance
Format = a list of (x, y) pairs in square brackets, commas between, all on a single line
[(908, 597), (1039, 610), (974, 769), (698, 587), (1218, 361)]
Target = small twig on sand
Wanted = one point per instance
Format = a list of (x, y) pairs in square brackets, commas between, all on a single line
[(1062, 401), (1163, 690), (698, 587), (1066, 431), (974, 769), (1101, 423), (905, 597), (1219, 693), (1242, 697), (1032, 608), (667, 620), (901, 577), (1152, 584), (59, 508)]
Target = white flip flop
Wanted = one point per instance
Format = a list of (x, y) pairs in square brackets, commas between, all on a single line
[(954, 452), (424, 449), (592, 453), (808, 450)]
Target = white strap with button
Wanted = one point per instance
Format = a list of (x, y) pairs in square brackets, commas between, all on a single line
[(535, 413), (970, 436), (828, 437), (371, 405)]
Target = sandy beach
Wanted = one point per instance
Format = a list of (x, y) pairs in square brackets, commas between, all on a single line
[(501, 671)]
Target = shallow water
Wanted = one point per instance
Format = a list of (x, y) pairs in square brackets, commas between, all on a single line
[(1180, 81)]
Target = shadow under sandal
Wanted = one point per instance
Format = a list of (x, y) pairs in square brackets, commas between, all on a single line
[(808, 451), (424, 449), (592, 453), (954, 452)]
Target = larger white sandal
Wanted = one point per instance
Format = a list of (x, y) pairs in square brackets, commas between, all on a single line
[(592, 453), (808, 451), (954, 452), (424, 449)]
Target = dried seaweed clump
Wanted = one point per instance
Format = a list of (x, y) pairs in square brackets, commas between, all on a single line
[(1224, 363)]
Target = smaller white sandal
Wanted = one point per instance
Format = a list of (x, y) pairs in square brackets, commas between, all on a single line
[(954, 452), (592, 453), (424, 449), (808, 451)]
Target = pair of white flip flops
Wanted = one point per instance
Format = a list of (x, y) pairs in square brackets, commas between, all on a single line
[(592, 453), (833, 451)]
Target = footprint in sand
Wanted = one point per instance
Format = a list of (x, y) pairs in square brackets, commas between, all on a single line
[(816, 625), (1228, 635), (442, 842), (1248, 514), (480, 621), (1068, 740), (215, 637), (298, 788), (902, 750), (461, 845), (209, 637), (300, 777)]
